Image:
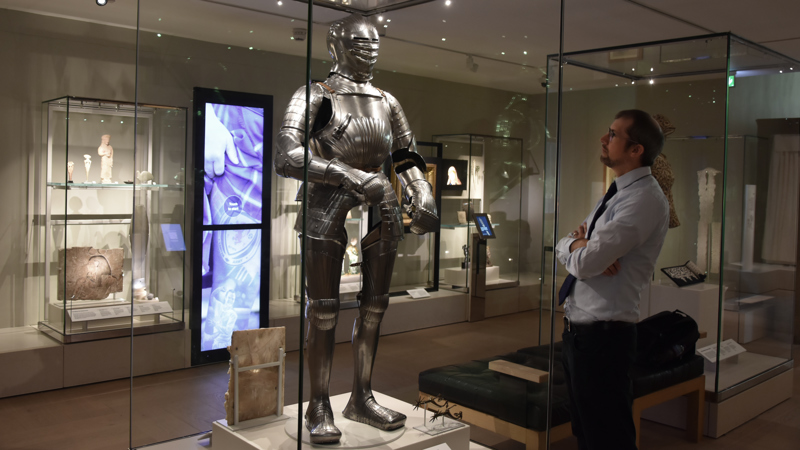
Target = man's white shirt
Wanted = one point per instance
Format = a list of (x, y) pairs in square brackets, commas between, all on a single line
[(632, 229)]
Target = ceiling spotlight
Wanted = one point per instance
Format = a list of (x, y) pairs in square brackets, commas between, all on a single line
[(471, 66), (103, 2), (380, 18), (280, 3), (651, 81), (447, 3)]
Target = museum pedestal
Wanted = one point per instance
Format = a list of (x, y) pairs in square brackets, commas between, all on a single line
[(274, 435), (457, 277)]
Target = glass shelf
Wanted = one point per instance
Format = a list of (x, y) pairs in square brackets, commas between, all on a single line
[(109, 186)]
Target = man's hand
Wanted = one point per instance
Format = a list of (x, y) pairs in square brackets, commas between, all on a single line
[(580, 233), (580, 238), (612, 270)]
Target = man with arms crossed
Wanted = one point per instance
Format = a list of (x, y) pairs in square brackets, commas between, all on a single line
[(610, 261)]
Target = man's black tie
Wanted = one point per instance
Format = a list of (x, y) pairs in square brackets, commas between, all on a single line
[(570, 281)]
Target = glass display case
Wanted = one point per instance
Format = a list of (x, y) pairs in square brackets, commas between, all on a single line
[(110, 205), (481, 174), (715, 95)]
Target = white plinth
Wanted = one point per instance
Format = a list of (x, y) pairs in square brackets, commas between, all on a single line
[(699, 301), (275, 435), (354, 434), (460, 277)]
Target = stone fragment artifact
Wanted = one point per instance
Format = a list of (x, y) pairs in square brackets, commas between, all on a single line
[(258, 389), (86, 273)]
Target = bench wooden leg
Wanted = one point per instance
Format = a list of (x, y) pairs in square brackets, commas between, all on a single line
[(695, 413), (535, 440), (637, 420)]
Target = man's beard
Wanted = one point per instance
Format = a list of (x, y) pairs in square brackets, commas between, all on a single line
[(608, 162)]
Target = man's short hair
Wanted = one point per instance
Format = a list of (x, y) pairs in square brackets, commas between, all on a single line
[(646, 131)]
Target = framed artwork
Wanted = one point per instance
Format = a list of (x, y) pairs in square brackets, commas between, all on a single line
[(454, 172)]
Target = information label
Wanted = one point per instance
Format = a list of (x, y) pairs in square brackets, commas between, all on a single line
[(114, 312), (728, 349), (418, 293)]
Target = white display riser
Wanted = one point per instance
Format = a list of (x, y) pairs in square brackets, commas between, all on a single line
[(763, 278), (58, 314), (458, 277), (699, 301), (274, 435), (724, 416), (749, 317)]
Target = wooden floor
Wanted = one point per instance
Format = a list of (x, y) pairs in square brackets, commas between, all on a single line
[(175, 404)]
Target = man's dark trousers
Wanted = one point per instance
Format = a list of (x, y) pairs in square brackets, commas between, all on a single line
[(597, 360)]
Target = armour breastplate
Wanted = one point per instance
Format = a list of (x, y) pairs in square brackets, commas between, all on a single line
[(359, 132)]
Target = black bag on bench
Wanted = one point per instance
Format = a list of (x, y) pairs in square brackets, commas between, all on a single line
[(666, 338)]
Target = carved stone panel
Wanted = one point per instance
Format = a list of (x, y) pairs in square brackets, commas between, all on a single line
[(91, 274), (258, 389)]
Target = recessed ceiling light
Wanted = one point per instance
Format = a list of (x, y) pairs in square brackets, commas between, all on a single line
[(444, 39), (386, 26), (444, 21), (780, 71), (388, 20), (447, 3), (159, 35), (633, 69), (502, 53), (651, 82), (251, 48), (280, 3), (380, 18), (633, 82), (524, 52)]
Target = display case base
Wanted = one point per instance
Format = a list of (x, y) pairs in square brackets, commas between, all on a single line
[(276, 434), (140, 327)]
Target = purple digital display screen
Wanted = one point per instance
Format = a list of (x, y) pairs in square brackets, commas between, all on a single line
[(233, 164), (233, 260), (233, 159)]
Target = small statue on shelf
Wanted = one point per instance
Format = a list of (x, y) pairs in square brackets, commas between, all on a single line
[(87, 163), (107, 161), (70, 169)]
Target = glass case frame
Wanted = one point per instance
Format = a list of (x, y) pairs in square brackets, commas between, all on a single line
[(721, 68), (117, 209), (457, 211)]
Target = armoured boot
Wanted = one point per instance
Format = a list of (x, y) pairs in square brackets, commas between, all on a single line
[(377, 265), (319, 416), (362, 406)]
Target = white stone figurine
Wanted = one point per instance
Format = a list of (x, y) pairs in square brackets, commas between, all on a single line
[(87, 163), (107, 161), (70, 169)]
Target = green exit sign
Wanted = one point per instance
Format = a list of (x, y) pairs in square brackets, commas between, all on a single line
[(731, 81)]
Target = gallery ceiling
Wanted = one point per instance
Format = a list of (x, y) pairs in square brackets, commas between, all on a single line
[(507, 39)]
